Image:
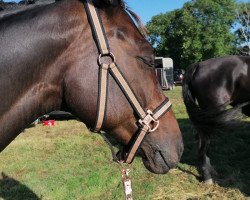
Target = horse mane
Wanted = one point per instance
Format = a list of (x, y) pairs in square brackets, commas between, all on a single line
[(9, 8), (125, 7), (138, 21), (135, 17)]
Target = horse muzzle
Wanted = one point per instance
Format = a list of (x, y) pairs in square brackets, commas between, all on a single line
[(160, 159)]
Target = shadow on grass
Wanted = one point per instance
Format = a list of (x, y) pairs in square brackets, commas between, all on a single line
[(12, 189), (229, 155)]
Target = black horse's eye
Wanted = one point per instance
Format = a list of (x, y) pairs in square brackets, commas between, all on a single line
[(146, 60)]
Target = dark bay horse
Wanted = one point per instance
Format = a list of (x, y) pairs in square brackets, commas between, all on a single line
[(48, 61), (209, 88)]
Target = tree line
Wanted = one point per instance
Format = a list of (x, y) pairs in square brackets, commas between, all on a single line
[(200, 30)]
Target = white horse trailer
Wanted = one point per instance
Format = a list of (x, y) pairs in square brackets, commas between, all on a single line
[(164, 70)]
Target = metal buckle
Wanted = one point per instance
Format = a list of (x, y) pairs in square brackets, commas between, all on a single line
[(110, 55), (148, 119)]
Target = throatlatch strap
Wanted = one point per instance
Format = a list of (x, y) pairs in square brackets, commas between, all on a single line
[(103, 47), (102, 96), (97, 28)]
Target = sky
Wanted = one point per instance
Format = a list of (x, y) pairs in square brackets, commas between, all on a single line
[(146, 9)]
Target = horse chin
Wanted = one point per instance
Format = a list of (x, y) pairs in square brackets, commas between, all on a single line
[(156, 164)]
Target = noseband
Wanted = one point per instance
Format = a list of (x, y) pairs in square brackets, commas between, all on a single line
[(148, 120)]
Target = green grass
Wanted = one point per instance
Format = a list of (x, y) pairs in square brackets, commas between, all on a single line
[(68, 162)]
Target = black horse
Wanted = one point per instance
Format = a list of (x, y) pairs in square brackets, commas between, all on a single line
[(209, 88)]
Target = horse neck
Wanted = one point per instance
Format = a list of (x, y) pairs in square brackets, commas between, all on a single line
[(32, 65)]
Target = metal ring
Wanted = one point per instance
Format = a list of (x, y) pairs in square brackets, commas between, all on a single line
[(110, 54), (154, 129)]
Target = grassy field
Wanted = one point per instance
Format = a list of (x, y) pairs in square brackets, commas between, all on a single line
[(67, 162)]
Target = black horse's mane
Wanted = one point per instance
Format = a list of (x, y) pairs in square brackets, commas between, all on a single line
[(9, 8)]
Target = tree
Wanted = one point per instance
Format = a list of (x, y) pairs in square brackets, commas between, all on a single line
[(243, 31), (198, 31)]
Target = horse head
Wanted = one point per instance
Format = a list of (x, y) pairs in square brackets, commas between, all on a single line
[(160, 150)]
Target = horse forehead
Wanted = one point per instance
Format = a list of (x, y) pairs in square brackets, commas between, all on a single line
[(132, 39), (122, 26)]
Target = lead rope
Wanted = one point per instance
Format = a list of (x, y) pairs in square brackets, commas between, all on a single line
[(125, 169), (127, 183)]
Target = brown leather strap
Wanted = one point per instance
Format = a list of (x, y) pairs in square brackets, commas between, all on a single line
[(166, 105), (97, 28), (131, 154), (121, 81)]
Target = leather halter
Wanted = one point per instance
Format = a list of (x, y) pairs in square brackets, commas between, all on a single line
[(148, 120)]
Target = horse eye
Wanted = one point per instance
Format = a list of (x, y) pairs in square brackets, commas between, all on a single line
[(146, 60), (151, 61)]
